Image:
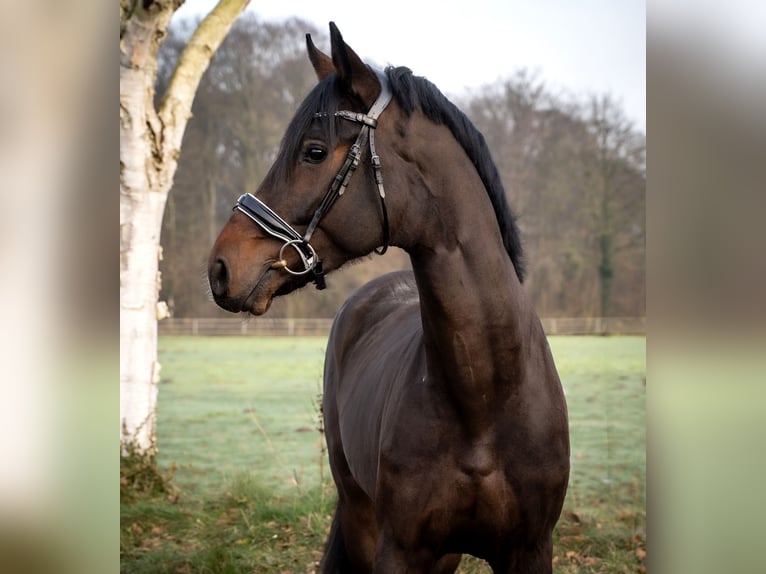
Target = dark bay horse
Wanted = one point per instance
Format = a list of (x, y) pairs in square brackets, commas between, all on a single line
[(445, 419)]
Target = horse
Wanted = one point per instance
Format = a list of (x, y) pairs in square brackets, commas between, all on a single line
[(445, 420)]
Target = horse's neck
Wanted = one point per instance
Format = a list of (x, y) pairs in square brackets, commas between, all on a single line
[(476, 318)]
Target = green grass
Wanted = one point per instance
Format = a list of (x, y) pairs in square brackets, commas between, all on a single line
[(603, 527), (229, 405), (238, 422)]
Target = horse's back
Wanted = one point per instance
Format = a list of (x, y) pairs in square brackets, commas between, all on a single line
[(380, 313), (375, 345), (374, 301)]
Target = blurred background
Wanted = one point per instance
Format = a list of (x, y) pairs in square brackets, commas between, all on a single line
[(563, 112)]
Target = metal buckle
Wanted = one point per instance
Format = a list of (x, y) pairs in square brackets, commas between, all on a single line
[(270, 222), (308, 262)]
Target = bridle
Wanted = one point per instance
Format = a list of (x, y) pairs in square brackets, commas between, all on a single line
[(268, 220)]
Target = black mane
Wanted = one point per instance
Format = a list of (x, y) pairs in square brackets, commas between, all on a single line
[(412, 92)]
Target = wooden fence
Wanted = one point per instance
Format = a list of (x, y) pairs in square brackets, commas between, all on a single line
[(291, 327)]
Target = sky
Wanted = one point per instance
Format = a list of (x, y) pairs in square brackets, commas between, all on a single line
[(575, 47)]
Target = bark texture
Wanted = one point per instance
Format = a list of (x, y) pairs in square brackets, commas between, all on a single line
[(150, 144)]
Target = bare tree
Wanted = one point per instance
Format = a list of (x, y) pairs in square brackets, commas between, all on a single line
[(615, 197), (575, 175), (150, 144)]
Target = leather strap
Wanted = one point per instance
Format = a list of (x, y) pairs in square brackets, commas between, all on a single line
[(271, 223)]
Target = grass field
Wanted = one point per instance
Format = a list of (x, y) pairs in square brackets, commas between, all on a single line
[(238, 422)]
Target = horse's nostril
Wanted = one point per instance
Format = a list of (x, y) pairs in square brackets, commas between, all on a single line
[(219, 278)]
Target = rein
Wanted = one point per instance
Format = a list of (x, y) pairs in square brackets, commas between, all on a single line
[(268, 220)]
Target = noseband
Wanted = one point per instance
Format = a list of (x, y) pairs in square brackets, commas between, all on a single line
[(268, 220)]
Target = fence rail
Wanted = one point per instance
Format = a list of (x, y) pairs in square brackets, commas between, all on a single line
[(294, 327)]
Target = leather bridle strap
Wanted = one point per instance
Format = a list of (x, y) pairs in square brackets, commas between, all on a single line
[(376, 168), (268, 220), (369, 122)]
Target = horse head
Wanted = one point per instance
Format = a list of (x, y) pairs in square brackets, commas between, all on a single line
[(309, 216)]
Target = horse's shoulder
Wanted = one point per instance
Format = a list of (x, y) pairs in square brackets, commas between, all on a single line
[(392, 289), (378, 301)]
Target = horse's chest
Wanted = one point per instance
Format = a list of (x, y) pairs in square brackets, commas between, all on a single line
[(489, 496), (451, 499)]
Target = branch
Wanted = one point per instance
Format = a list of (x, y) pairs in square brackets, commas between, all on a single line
[(175, 107)]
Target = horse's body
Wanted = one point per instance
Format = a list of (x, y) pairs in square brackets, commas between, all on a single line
[(445, 420), (400, 447)]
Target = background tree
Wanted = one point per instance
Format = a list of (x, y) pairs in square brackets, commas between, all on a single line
[(150, 143), (616, 173), (575, 174), (573, 170)]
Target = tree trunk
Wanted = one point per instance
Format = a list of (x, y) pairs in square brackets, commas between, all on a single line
[(141, 217), (143, 192), (605, 275), (150, 143), (605, 269)]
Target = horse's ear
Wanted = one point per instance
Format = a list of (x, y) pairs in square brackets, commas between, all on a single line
[(322, 63), (355, 76)]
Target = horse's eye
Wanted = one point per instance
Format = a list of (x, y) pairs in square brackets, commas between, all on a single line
[(315, 154)]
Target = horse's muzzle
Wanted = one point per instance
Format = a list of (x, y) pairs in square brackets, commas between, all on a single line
[(218, 275), (219, 279)]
